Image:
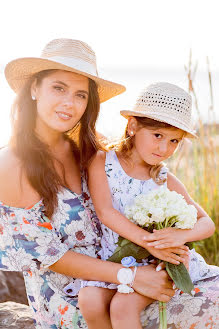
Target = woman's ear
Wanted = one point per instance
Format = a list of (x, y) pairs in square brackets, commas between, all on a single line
[(33, 90), (132, 126)]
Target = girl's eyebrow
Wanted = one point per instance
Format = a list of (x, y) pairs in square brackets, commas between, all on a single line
[(158, 131), (64, 84)]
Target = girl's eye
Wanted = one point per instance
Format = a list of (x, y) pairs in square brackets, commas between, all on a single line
[(158, 136), (59, 88), (174, 141)]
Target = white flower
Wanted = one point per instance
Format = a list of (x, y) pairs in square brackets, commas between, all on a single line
[(162, 205)]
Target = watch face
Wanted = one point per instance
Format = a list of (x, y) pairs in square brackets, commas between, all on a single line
[(125, 275)]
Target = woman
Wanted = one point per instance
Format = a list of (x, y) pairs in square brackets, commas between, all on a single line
[(48, 228)]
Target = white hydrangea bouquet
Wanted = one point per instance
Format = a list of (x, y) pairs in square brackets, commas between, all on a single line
[(159, 209)]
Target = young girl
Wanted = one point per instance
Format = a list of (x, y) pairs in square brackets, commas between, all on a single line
[(156, 126)]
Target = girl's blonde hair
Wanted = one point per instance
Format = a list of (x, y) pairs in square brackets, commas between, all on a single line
[(125, 145)]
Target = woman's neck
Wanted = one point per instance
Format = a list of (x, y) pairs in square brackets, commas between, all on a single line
[(54, 139)]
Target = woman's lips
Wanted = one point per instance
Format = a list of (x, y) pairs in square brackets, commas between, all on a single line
[(64, 115)]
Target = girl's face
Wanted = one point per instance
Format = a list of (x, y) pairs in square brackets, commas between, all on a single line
[(154, 146), (61, 100)]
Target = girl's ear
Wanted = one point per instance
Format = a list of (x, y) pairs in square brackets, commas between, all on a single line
[(132, 126)]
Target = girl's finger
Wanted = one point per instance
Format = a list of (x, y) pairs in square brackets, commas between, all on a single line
[(164, 245), (155, 243)]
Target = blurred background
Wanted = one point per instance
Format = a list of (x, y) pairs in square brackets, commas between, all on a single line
[(136, 43)]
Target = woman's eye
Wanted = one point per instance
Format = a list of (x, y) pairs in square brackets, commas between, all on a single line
[(83, 96), (158, 136), (59, 88)]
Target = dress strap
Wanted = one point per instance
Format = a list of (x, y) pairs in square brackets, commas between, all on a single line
[(111, 162)]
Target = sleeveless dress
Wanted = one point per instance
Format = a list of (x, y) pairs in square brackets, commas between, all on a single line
[(183, 311), (30, 242)]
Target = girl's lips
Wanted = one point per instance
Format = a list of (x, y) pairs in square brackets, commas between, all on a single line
[(157, 155)]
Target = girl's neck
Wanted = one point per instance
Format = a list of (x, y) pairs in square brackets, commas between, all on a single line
[(133, 167)]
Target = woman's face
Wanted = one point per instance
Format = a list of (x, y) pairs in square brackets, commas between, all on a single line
[(61, 99)]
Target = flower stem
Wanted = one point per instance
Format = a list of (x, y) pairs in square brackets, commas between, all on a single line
[(162, 315)]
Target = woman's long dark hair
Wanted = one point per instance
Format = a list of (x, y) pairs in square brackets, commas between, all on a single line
[(35, 156)]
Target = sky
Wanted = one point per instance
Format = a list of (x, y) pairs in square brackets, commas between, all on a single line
[(135, 42)]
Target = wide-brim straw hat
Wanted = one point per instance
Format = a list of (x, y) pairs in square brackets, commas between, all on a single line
[(167, 103), (62, 54)]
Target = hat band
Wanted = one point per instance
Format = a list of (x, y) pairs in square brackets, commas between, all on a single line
[(75, 63)]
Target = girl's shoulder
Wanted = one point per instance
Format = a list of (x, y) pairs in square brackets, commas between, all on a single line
[(174, 184), (97, 161)]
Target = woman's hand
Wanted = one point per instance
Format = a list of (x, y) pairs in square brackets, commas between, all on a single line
[(169, 237), (151, 283), (171, 255)]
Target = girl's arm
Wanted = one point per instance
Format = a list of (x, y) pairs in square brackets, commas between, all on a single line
[(172, 237), (101, 197)]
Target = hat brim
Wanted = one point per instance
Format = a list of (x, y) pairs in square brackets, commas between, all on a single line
[(18, 71), (174, 123)]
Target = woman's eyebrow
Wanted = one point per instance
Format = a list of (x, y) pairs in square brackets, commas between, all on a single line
[(64, 84), (83, 91), (60, 82)]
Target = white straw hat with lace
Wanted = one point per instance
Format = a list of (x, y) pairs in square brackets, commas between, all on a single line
[(165, 102), (62, 54)]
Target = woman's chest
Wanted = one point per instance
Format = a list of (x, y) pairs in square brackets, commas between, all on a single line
[(74, 222)]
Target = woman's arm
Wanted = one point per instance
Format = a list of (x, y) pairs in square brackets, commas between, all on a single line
[(172, 237), (101, 197), (148, 282)]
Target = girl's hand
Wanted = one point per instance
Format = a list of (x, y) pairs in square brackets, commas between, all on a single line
[(166, 238), (171, 255), (186, 259)]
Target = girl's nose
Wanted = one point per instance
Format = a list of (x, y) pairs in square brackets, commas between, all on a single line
[(163, 147)]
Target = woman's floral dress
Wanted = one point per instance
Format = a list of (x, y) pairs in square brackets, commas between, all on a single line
[(30, 243), (183, 311)]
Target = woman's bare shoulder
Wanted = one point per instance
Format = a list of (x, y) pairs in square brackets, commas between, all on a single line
[(8, 161), (9, 174)]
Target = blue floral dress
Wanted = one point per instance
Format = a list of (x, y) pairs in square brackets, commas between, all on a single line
[(30, 242)]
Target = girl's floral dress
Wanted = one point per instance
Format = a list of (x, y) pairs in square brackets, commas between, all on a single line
[(30, 242), (183, 311)]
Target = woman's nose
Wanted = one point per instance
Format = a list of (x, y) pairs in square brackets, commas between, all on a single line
[(69, 100)]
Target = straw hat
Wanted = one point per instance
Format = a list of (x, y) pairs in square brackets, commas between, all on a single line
[(165, 102), (63, 54)]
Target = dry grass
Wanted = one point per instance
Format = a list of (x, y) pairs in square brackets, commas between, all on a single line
[(197, 166)]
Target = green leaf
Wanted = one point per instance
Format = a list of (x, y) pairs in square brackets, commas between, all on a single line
[(180, 276), (128, 248), (124, 242), (191, 245)]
